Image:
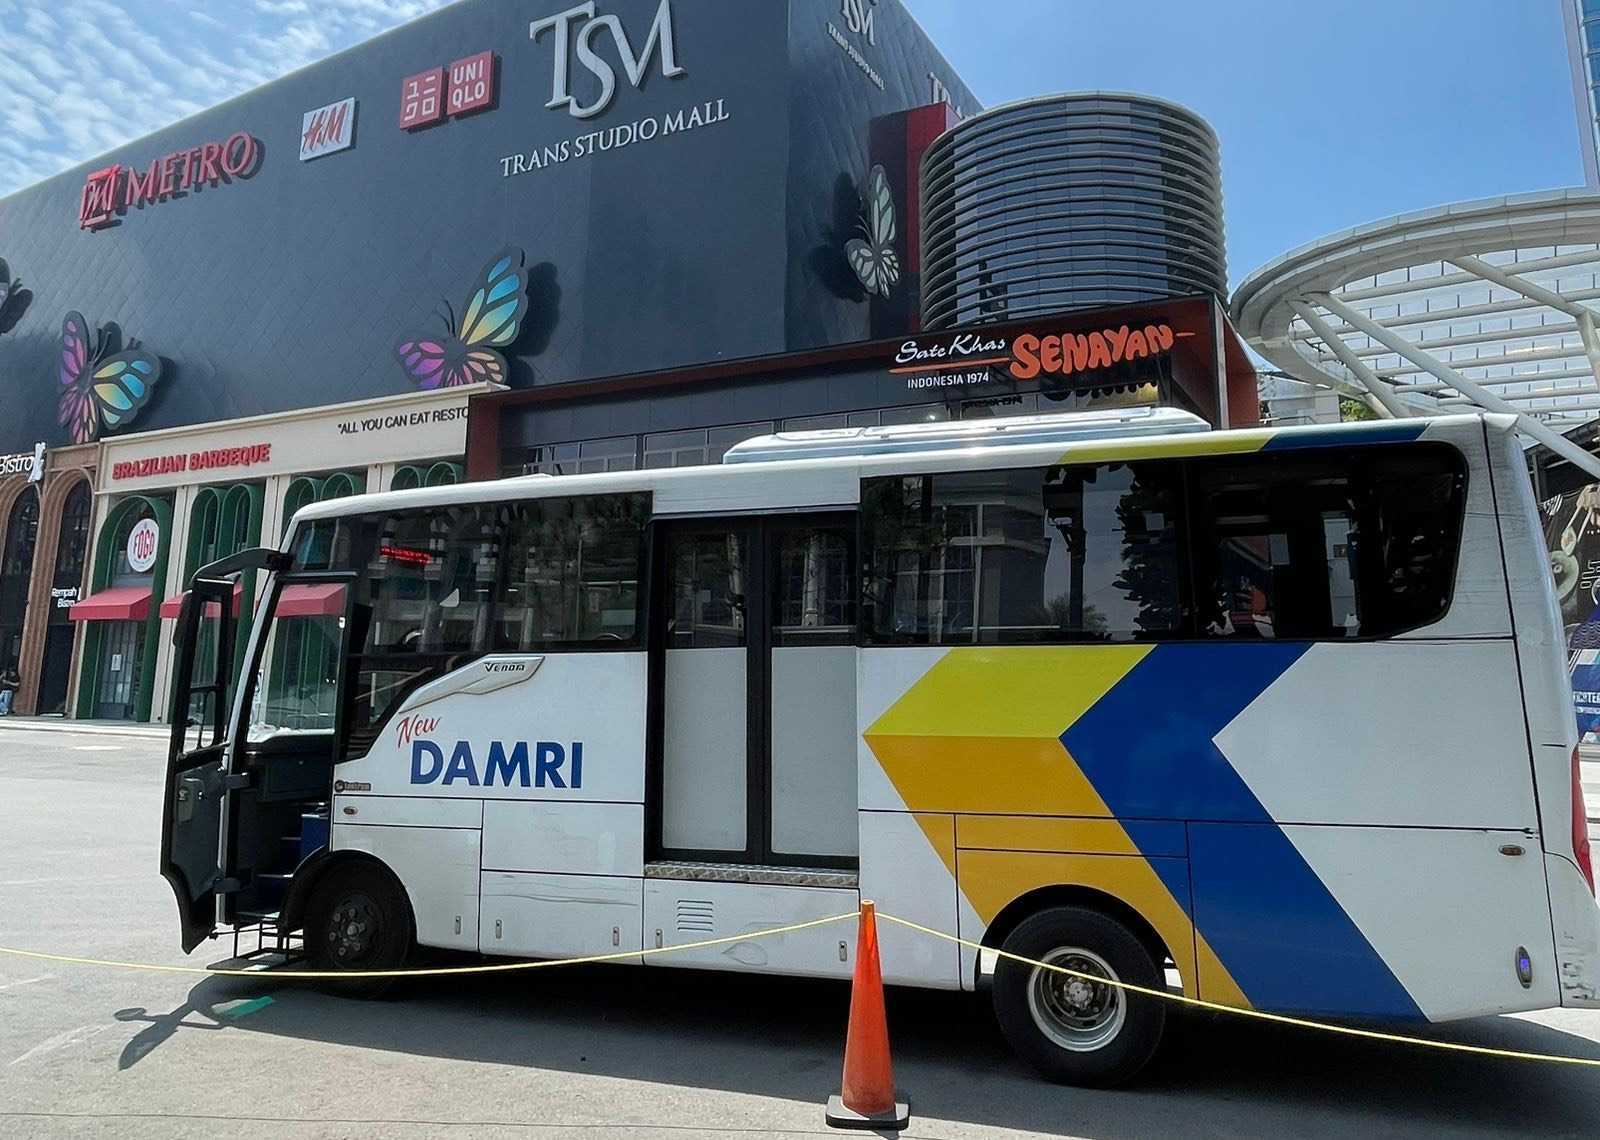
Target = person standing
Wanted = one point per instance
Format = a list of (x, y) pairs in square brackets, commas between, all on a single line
[(9, 684)]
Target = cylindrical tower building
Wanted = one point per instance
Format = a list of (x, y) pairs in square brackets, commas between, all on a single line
[(1066, 202)]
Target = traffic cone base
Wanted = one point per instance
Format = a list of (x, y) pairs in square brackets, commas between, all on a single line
[(896, 1119)]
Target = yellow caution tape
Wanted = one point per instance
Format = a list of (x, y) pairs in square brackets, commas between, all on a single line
[(430, 972), (621, 955), (1259, 1015)]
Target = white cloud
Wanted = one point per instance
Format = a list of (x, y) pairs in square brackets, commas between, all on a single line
[(81, 77)]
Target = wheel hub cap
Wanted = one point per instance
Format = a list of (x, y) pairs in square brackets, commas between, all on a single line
[(1076, 1011), (353, 929)]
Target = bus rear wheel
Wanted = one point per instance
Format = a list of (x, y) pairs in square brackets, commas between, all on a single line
[(1073, 1027), (358, 919)]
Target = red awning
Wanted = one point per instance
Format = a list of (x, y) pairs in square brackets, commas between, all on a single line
[(173, 606), (325, 599), (120, 603)]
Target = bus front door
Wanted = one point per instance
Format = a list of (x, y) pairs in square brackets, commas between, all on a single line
[(197, 782)]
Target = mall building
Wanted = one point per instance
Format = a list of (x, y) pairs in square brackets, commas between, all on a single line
[(522, 236)]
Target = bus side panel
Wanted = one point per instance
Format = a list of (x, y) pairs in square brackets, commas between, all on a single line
[(438, 866), (570, 729), (1552, 726), (908, 868), (1392, 923), (679, 912), (1401, 733), (1152, 887)]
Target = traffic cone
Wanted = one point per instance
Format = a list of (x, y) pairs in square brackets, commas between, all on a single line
[(867, 1097)]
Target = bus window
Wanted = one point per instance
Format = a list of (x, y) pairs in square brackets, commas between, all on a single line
[(572, 574), (423, 605), (1023, 556), (1324, 546)]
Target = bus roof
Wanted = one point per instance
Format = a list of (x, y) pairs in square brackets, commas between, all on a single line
[(826, 472)]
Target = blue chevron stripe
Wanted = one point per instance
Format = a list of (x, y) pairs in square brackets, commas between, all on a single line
[(1147, 748), (1391, 431)]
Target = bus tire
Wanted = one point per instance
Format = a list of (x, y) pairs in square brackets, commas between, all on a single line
[(358, 918), (1070, 1030)]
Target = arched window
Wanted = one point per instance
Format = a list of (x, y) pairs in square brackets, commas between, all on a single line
[(72, 544), (16, 571)]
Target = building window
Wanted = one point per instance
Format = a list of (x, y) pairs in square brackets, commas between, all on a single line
[(698, 446), (586, 457)]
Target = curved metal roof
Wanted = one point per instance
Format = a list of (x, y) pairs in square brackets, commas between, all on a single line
[(1483, 304)]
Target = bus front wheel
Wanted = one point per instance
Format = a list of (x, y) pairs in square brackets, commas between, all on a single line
[(1073, 1027), (358, 919)]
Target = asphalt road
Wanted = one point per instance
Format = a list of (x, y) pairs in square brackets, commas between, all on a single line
[(602, 1051)]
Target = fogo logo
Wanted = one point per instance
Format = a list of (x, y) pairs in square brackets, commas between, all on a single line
[(553, 765), (574, 31)]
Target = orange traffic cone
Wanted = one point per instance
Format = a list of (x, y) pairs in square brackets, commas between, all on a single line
[(867, 1099)]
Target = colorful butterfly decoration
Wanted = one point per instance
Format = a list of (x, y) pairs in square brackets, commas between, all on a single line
[(875, 262), (101, 389), (490, 320)]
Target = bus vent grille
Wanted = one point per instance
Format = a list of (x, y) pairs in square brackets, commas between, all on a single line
[(696, 917)]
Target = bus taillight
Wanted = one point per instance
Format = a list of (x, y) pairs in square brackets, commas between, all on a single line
[(1580, 825)]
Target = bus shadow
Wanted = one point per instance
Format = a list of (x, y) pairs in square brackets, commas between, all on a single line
[(784, 1038)]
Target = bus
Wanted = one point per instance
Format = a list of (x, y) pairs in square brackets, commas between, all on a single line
[(1274, 718)]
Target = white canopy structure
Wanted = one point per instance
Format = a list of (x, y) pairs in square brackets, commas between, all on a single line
[(1488, 304)]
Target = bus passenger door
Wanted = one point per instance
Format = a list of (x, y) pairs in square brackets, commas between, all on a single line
[(753, 818), (196, 782)]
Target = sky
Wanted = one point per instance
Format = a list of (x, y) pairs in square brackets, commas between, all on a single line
[(1331, 112)]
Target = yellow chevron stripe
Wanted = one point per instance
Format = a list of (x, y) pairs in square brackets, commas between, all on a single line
[(1168, 447), (980, 732)]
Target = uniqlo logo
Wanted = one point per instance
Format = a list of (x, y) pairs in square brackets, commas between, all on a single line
[(422, 99), (99, 199), (471, 83)]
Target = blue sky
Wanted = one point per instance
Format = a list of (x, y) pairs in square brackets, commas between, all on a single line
[(1331, 112)]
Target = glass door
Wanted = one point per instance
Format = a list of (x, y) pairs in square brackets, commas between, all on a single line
[(754, 674)]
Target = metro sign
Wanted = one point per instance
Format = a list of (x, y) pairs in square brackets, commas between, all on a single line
[(328, 130), (113, 190)]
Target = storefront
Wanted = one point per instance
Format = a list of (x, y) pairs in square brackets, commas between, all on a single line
[(1177, 353), (171, 501), (45, 501)]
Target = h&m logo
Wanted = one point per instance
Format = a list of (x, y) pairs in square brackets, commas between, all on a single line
[(634, 63), (554, 765), (858, 16)]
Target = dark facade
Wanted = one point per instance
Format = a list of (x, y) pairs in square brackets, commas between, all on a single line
[(1178, 353), (1068, 202), (696, 215)]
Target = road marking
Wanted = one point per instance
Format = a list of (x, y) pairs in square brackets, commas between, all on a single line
[(62, 1040), (97, 748), (25, 982)]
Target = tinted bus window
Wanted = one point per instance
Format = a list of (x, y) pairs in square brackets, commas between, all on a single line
[(1023, 556), (1326, 546), (572, 573)]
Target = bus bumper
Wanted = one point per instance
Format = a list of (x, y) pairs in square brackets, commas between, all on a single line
[(1575, 917)]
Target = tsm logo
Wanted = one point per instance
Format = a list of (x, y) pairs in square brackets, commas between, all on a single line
[(635, 64), (858, 16)]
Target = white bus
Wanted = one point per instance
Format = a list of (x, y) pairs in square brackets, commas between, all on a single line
[(1279, 718)]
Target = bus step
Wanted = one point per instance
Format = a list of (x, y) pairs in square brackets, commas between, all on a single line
[(272, 887)]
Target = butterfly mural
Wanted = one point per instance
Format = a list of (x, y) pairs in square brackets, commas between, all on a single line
[(874, 260), (100, 389), (490, 320)]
